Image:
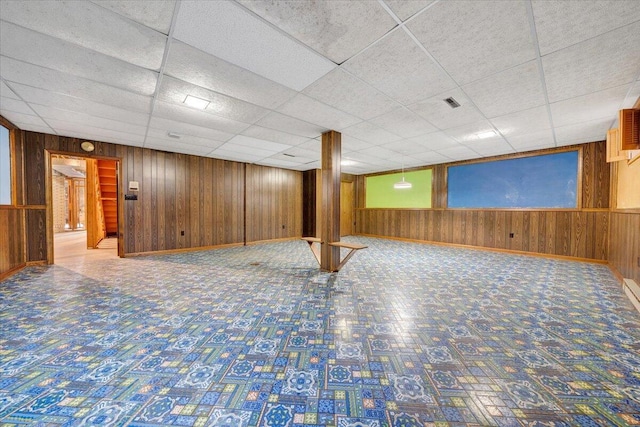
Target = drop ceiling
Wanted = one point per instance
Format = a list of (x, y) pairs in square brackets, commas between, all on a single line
[(274, 75)]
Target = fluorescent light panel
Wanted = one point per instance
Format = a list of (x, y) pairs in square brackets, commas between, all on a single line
[(195, 102)]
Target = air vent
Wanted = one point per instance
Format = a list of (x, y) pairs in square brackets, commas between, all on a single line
[(629, 122), (452, 102), (288, 155), (174, 135)]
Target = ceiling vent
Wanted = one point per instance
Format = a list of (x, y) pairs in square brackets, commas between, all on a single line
[(452, 102), (174, 135), (288, 155), (629, 124)]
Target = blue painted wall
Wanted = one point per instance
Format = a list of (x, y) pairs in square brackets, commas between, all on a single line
[(547, 181)]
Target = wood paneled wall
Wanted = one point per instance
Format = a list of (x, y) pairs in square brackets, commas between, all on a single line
[(579, 233), (624, 244), (566, 233), (202, 197), (274, 203), (11, 238), (309, 188)]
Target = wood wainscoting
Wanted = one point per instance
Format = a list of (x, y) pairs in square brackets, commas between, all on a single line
[(578, 234)]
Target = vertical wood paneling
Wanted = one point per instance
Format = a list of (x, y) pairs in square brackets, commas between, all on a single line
[(37, 235), (11, 239), (624, 252), (274, 200)]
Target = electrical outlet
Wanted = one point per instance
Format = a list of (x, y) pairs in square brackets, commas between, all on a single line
[(182, 233), (511, 235), (283, 226)]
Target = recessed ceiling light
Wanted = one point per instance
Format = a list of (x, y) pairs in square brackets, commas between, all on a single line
[(195, 102), (347, 163), (484, 135)]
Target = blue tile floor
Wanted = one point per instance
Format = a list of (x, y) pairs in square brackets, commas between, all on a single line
[(405, 335)]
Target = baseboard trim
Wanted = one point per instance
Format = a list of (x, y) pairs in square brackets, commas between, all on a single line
[(181, 250), (282, 239), (13, 271), (483, 248), (632, 290), (616, 272)]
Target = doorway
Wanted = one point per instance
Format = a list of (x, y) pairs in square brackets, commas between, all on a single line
[(83, 212)]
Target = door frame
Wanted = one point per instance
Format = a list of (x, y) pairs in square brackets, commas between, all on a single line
[(49, 197)]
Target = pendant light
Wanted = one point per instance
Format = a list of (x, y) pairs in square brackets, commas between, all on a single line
[(402, 184)]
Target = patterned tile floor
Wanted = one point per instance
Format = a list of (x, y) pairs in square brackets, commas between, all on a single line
[(405, 335)]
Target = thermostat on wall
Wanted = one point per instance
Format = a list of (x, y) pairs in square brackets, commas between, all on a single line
[(134, 186)]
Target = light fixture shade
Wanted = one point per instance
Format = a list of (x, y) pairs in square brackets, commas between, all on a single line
[(196, 102), (402, 184), (87, 146)]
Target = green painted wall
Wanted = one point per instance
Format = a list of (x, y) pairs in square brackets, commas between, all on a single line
[(381, 194)]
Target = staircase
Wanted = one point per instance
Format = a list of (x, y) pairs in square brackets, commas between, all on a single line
[(109, 195)]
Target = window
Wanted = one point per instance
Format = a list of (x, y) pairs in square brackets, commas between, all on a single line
[(5, 167)]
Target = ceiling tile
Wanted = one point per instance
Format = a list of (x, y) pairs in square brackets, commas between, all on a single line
[(532, 141), (431, 158), (477, 39), (459, 153), (491, 147), (270, 161), (407, 147), (153, 14), (632, 96), (233, 34), (56, 81), (25, 119), (178, 147), (83, 119), (404, 9), (91, 26), (382, 153), (258, 143), (226, 154), (302, 153), (81, 130), (609, 60), (403, 122), (279, 121), (195, 66), (435, 141), (345, 92), (597, 105), (175, 91), (197, 117), (6, 92), (440, 114), (469, 131), (515, 89), (350, 144), (312, 111), (182, 128), (243, 149), (595, 130), (523, 122), (38, 49), (260, 132), (562, 24), (162, 136), (368, 132), (335, 29), (57, 100), (397, 67), (15, 105), (33, 128)]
